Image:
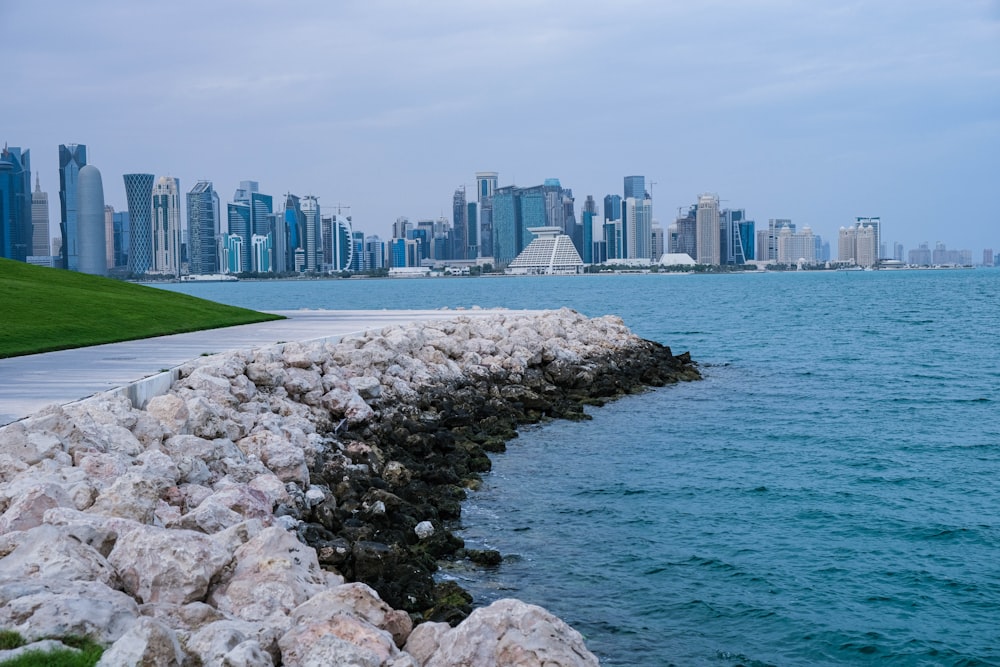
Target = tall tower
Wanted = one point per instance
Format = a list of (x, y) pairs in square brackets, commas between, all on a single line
[(460, 225), (635, 187), (92, 243), (486, 185), (166, 216), (707, 230), (39, 221), (72, 158), (203, 228), (139, 195), (313, 233), (15, 203)]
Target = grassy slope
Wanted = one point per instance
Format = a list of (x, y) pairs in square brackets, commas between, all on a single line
[(44, 309)]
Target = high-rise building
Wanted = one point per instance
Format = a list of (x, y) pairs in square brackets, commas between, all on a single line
[(460, 225), (121, 230), (72, 158), (795, 247), (876, 227), (856, 245), (313, 233), (638, 228), (486, 185), (295, 231), (91, 243), (254, 215), (338, 243), (16, 237), (109, 235), (707, 230), (238, 220), (203, 228), (139, 195), (40, 234), (166, 217), (635, 187)]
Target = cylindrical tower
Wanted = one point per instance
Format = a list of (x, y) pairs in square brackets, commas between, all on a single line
[(92, 238)]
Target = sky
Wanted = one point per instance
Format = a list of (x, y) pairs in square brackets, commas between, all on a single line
[(818, 111)]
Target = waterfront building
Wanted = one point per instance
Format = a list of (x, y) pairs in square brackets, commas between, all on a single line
[(139, 196), (550, 252), (72, 158), (238, 219), (338, 243), (856, 245), (109, 235), (737, 235), (635, 187), (313, 233), (613, 232), (638, 228), (121, 228), (256, 217), (796, 247), (460, 225), (166, 220), (707, 230), (875, 223), (921, 255), (92, 245), (659, 241), (359, 258), (486, 185), (685, 239), (40, 234), (472, 212), (295, 230), (261, 252), (375, 249), (16, 234), (233, 254), (204, 228), (988, 257)]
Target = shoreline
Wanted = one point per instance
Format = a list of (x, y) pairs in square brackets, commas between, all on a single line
[(361, 449)]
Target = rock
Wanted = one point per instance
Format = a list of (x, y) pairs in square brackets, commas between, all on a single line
[(510, 632), (147, 642), (274, 573), (340, 639), (424, 640), (28, 508), (174, 566), (39, 608), (424, 529), (361, 601), (134, 496), (50, 552), (235, 643), (170, 410)]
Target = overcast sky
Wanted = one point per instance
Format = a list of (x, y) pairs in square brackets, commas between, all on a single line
[(813, 110)]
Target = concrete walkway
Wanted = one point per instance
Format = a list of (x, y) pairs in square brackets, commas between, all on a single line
[(30, 383)]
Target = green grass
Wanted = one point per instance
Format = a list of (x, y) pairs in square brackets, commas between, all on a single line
[(88, 655), (44, 309)]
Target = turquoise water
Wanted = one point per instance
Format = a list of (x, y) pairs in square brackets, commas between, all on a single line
[(829, 494)]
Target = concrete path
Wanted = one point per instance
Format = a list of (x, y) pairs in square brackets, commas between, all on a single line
[(29, 383)]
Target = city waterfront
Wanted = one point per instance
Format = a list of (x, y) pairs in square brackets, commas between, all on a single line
[(825, 496)]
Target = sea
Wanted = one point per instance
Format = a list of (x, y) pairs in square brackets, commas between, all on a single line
[(828, 494)]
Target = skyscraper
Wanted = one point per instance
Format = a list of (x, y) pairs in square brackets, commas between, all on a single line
[(203, 228), (166, 216), (295, 228), (635, 187), (122, 232), (313, 233), (460, 225), (638, 228), (876, 227), (15, 203), (486, 185), (40, 221), (707, 230), (91, 243), (72, 158), (139, 195), (259, 221)]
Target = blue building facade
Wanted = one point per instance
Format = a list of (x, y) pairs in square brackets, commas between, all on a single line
[(15, 204), (139, 196), (72, 158), (203, 228)]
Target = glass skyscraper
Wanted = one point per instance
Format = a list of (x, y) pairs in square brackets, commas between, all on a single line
[(139, 195), (15, 204), (203, 228), (72, 158)]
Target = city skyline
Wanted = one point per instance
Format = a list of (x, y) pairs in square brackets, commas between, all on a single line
[(816, 112)]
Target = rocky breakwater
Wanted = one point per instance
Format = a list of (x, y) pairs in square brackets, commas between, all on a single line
[(288, 505)]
